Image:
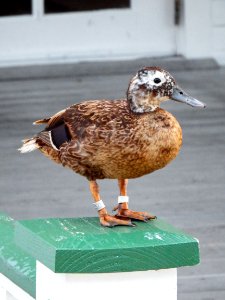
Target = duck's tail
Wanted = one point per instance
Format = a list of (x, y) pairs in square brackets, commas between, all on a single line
[(29, 145)]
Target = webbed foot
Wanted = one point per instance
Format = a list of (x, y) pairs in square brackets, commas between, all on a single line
[(142, 216), (111, 221)]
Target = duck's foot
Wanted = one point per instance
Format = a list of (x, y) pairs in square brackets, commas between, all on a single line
[(142, 216), (111, 221)]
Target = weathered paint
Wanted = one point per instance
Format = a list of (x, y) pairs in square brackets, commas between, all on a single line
[(15, 264), (82, 246)]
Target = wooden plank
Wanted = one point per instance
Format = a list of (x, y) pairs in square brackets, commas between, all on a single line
[(82, 246), (15, 263), (203, 295), (103, 68), (188, 193)]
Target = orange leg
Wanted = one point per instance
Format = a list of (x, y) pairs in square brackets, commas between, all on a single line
[(124, 211), (104, 217)]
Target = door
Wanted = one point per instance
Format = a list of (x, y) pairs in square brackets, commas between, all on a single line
[(46, 31)]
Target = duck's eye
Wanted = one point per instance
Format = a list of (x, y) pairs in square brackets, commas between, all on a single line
[(157, 80)]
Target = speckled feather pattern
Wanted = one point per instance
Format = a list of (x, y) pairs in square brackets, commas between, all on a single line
[(117, 139), (111, 141), (144, 94)]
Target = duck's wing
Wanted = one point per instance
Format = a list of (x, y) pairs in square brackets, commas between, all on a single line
[(55, 132), (96, 118), (92, 120), (53, 121)]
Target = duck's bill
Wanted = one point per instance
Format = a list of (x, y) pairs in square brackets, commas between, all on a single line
[(180, 96)]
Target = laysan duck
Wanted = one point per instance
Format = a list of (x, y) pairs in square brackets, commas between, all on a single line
[(117, 139)]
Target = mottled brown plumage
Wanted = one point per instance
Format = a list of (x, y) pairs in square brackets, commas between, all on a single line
[(109, 141), (119, 139)]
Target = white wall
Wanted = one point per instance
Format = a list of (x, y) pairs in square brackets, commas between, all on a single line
[(218, 30), (201, 33), (147, 29)]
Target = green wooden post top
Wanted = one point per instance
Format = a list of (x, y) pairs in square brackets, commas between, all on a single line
[(15, 263), (82, 246)]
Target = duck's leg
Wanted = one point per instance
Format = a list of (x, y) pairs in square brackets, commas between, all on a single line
[(104, 217), (123, 210)]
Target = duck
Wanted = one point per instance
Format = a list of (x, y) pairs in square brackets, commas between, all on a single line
[(117, 139)]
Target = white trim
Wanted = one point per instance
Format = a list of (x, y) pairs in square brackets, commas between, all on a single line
[(161, 284), (74, 57), (19, 18), (8, 288), (38, 9), (3, 292)]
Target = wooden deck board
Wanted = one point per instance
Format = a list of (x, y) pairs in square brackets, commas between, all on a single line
[(189, 193)]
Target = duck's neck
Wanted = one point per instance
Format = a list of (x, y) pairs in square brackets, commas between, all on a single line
[(142, 101)]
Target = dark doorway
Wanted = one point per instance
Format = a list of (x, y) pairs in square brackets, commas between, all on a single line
[(16, 7), (62, 6)]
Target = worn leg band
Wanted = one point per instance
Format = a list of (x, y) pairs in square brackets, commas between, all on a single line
[(99, 205), (123, 199)]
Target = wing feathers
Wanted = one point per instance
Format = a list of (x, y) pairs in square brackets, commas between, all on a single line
[(45, 137), (41, 121), (29, 145), (52, 121)]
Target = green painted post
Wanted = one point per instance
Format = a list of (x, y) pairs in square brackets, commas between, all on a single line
[(78, 256), (15, 264), (83, 246)]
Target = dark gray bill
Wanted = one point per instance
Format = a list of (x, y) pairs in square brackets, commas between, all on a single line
[(180, 96)]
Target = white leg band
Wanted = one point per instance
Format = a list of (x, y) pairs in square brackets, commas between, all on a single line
[(99, 205), (122, 199)]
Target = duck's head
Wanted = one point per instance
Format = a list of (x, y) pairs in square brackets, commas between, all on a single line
[(153, 85)]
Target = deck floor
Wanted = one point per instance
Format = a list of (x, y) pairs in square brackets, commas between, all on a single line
[(189, 193)]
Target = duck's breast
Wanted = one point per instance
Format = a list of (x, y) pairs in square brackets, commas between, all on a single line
[(151, 145), (165, 142)]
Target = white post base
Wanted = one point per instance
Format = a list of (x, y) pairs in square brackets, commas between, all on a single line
[(2, 292), (157, 285), (11, 291)]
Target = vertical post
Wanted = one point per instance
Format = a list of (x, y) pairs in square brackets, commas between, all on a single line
[(161, 284), (11, 291), (2, 293), (37, 8), (194, 30), (79, 257)]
